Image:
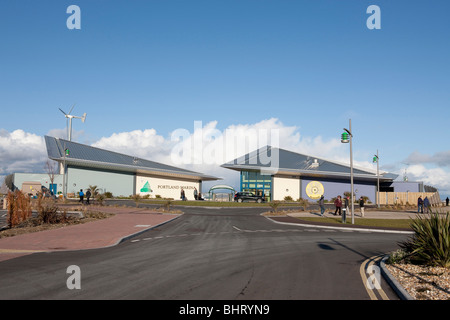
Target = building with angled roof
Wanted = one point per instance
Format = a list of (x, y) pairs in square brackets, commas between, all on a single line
[(277, 173), (120, 174)]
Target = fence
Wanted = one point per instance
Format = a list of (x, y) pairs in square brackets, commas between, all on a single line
[(391, 198)]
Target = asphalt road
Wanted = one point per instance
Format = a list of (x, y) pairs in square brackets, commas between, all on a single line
[(208, 254)]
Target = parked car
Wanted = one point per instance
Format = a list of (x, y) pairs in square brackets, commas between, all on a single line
[(247, 196)]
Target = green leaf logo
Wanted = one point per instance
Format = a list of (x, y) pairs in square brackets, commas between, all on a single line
[(146, 187)]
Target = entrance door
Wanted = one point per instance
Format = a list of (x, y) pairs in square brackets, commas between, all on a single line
[(53, 188)]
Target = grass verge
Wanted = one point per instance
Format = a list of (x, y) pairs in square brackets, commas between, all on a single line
[(383, 223)]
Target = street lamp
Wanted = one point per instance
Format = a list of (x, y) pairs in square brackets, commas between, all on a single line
[(377, 160), (66, 154), (346, 137)]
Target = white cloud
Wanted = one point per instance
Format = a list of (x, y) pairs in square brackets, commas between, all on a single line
[(21, 151), (435, 177)]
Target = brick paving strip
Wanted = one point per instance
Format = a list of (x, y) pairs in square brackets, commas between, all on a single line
[(97, 234)]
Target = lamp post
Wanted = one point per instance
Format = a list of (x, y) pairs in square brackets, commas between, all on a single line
[(377, 160), (346, 138), (66, 154)]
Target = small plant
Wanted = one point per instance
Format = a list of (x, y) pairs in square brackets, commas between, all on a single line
[(167, 205), (274, 205), (136, 198), (108, 195), (430, 243), (398, 256), (304, 203), (288, 198), (100, 198)]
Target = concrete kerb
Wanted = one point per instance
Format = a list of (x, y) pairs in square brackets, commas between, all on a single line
[(395, 285)]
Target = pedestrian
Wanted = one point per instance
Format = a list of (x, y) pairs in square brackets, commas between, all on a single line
[(426, 204), (81, 194), (420, 205), (446, 201), (195, 193), (88, 195), (346, 201), (322, 205), (338, 204), (361, 206), (183, 197)]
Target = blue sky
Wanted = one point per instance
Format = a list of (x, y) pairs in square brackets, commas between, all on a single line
[(161, 65)]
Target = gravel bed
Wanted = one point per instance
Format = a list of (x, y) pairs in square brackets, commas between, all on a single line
[(422, 282)]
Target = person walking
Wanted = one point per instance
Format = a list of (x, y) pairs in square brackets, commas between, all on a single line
[(81, 194), (183, 196), (361, 206), (446, 201), (88, 195), (426, 204), (322, 205), (420, 205), (346, 202), (338, 205), (195, 193)]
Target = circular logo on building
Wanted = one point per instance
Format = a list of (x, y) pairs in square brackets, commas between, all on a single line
[(314, 190)]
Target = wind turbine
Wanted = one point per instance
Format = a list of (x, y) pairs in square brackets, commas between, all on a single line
[(69, 116)]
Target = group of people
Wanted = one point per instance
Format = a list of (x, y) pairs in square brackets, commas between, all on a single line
[(197, 195), (423, 204), (340, 205), (82, 195)]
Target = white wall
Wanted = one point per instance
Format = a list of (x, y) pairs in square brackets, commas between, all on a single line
[(166, 188), (283, 187)]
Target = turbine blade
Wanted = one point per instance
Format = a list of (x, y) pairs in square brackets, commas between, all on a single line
[(71, 108), (62, 111)]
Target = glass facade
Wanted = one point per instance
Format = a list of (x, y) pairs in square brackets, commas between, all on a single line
[(259, 184)]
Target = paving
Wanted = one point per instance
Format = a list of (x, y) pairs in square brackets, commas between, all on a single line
[(126, 222)]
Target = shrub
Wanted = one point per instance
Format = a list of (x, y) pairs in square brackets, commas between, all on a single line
[(167, 205), (274, 205), (304, 203), (288, 198), (108, 195), (47, 210), (19, 208), (136, 198), (100, 198), (430, 243)]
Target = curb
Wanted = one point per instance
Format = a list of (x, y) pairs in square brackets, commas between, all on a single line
[(395, 285)]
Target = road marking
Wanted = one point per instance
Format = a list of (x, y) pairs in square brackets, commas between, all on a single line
[(374, 280), (237, 229)]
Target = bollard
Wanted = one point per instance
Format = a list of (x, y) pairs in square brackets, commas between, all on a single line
[(344, 217)]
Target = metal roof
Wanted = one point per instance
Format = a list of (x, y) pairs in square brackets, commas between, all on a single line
[(282, 161), (91, 157)]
